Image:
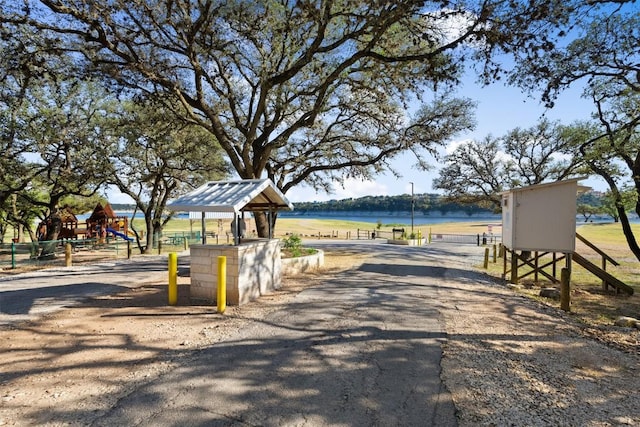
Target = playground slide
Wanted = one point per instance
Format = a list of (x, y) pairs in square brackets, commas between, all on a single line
[(600, 273), (117, 233)]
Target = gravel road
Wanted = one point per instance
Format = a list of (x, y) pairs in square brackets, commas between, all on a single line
[(408, 336)]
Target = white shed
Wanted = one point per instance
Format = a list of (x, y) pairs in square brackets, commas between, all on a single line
[(541, 217)]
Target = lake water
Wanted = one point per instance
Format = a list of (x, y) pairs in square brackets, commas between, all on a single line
[(384, 217)]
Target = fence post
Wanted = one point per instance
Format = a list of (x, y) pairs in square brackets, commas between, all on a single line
[(67, 255), (478, 239), (159, 246), (495, 253), (565, 294), (128, 249), (486, 258), (13, 255)]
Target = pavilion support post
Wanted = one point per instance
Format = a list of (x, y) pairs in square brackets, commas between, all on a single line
[(236, 229), (204, 229)]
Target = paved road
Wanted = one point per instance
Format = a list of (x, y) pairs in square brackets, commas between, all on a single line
[(29, 295), (362, 349)]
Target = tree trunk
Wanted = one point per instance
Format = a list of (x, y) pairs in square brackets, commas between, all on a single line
[(262, 223), (149, 238), (53, 231), (622, 215), (628, 232)]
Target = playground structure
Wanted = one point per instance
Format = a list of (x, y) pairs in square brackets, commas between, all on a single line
[(69, 225), (540, 220), (102, 222)]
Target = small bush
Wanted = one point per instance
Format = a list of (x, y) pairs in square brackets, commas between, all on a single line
[(292, 246)]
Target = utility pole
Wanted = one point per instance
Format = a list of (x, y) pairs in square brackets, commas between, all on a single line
[(412, 205)]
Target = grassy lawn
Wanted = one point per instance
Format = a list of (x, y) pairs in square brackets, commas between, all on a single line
[(326, 227)]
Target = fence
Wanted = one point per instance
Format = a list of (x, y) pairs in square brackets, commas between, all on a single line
[(475, 239), (52, 253)]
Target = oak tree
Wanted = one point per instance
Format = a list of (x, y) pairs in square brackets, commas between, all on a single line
[(477, 171), (305, 91), (154, 157), (601, 54)]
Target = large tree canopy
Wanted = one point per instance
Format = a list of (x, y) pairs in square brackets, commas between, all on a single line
[(477, 171), (301, 91), (602, 54), (154, 157)]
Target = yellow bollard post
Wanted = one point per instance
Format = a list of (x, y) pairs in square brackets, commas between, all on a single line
[(67, 255), (222, 284), (429, 239), (173, 278), (419, 238)]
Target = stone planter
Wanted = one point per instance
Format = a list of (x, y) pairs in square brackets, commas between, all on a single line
[(253, 269), (297, 265), (408, 242)]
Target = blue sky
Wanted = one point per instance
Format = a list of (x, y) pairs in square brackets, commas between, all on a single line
[(500, 109)]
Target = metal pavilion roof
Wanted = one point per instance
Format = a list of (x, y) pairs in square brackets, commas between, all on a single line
[(233, 196)]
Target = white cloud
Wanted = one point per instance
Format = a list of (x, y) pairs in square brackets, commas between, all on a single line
[(453, 145), (351, 188)]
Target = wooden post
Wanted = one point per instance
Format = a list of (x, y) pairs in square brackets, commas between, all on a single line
[(128, 249), (486, 258), (565, 290), (605, 286), (535, 271), (514, 267), (495, 253), (504, 262), (67, 255)]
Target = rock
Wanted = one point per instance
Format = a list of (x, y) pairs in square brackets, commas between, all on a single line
[(627, 322), (552, 293)]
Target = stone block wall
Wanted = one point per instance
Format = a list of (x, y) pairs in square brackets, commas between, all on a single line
[(253, 269)]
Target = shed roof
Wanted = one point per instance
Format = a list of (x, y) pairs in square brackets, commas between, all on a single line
[(581, 188), (233, 196)]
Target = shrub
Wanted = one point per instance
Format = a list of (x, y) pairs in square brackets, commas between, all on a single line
[(292, 246)]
